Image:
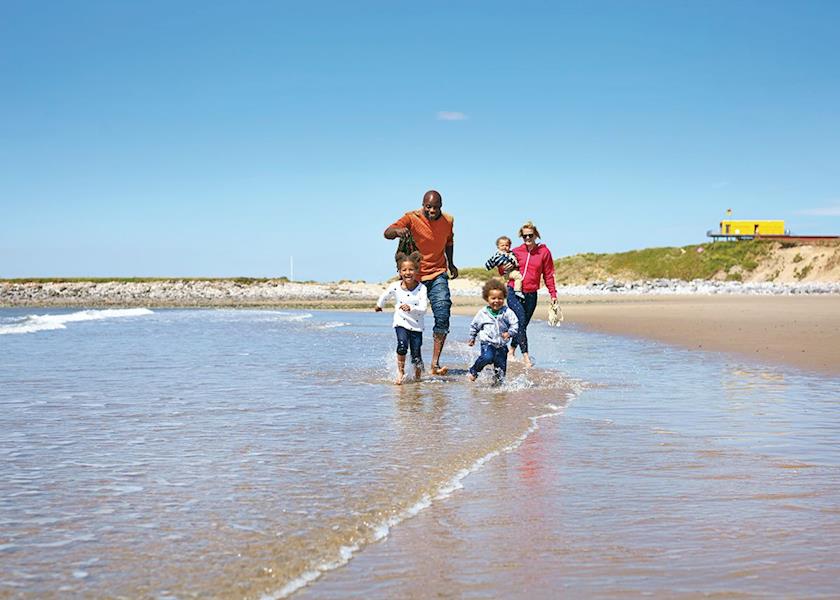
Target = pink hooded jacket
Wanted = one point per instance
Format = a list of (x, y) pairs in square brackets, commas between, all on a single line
[(534, 264)]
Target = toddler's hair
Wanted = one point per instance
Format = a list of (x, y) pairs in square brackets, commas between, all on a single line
[(491, 285), (502, 237), (414, 258)]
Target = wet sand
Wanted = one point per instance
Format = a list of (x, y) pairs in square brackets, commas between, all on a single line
[(674, 474), (802, 331)]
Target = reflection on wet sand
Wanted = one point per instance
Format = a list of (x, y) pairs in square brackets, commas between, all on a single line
[(717, 479)]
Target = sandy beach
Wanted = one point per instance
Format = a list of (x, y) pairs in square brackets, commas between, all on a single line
[(799, 331)]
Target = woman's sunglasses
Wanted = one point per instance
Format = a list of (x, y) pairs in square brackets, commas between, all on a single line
[(527, 236)]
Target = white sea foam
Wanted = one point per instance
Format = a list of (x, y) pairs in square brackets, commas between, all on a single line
[(34, 323), (331, 325), (293, 317), (381, 531)]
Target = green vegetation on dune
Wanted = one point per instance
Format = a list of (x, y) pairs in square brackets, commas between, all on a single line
[(479, 273), (698, 261), (723, 260)]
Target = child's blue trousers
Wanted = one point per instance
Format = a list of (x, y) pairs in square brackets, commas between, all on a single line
[(497, 355), (410, 339)]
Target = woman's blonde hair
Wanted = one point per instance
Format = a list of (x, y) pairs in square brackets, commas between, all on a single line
[(530, 225)]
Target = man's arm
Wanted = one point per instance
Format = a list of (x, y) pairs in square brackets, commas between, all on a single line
[(453, 270), (398, 229)]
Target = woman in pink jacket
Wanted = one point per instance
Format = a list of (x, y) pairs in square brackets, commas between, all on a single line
[(535, 262)]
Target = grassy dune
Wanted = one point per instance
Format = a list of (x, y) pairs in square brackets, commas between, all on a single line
[(697, 261)]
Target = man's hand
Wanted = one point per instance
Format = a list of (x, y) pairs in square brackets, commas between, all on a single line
[(453, 272), (505, 335), (471, 343), (397, 232), (405, 307), (377, 309)]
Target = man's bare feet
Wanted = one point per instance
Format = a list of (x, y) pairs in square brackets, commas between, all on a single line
[(399, 380), (472, 377), (418, 373), (438, 370)]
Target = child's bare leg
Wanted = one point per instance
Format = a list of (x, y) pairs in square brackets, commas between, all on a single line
[(417, 361), (400, 369)]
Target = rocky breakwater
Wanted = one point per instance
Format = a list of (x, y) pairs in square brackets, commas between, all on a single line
[(697, 287), (185, 293)]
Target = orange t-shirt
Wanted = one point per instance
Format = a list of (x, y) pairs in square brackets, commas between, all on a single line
[(432, 238)]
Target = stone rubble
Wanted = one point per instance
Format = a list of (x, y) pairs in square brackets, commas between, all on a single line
[(233, 293), (697, 287), (178, 293)]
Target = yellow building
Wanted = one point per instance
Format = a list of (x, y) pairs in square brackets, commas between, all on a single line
[(742, 228)]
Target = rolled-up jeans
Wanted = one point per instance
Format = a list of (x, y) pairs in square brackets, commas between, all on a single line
[(406, 339), (441, 301)]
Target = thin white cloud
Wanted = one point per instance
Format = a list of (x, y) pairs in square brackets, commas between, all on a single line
[(448, 115), (826, 211)]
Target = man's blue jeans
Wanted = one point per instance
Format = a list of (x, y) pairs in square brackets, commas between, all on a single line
[(441, 301)]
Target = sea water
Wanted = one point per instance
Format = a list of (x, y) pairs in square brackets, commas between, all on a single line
[(240, 453)]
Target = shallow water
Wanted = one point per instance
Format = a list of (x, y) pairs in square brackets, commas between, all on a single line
[(239, 452), (253, 453), (679, 475)]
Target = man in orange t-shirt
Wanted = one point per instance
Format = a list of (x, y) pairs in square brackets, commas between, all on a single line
[(432, 231)]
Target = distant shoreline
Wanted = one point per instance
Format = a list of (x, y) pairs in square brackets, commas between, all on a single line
[(800, 329), (259, 293)]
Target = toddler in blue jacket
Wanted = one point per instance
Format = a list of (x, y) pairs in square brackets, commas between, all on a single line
[(493, 326)]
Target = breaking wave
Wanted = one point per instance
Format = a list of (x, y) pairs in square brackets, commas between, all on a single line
[(35, 323)]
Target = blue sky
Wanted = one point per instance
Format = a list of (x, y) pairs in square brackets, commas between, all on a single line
[(163, 138)]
